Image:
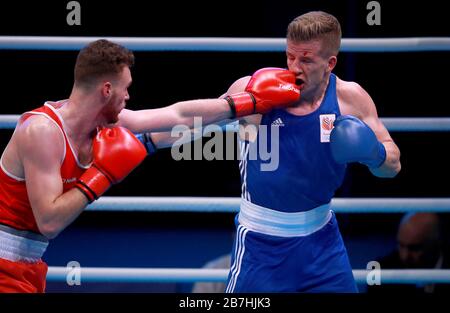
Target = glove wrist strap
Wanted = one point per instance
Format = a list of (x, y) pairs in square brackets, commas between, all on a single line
[(241, 104), (93, 183), (147, 141)]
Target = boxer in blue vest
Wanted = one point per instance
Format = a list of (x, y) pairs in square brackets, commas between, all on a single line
[(287, 238)]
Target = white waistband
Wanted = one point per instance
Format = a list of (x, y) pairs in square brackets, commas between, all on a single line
[(16, 245), (283, 224)]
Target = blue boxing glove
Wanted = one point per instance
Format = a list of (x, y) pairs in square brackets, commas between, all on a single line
[(351, 140)]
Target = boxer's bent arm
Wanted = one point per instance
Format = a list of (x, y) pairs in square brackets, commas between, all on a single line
[(41, 149), (391, 166), (363, 107), (180, 113)]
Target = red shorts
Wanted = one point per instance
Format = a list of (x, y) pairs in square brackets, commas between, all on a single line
[(22, 276)]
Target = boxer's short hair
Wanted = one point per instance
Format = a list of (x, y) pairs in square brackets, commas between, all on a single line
[(98, 59), (316, 25)]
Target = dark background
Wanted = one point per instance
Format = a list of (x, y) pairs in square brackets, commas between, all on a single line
[(401, 84)]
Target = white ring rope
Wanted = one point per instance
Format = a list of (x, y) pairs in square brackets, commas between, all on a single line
[(422, 124), (400, 124), (8, 121), (416, 124), (143, 275), (231, 204), (412, 44)]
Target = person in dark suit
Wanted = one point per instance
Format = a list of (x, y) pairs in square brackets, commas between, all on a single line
[(420, 245)]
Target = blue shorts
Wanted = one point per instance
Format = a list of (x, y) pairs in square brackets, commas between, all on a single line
[(315, 263)]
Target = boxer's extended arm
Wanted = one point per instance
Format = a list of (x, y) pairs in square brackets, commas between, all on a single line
[(180, 113), (268, 88), (359, 104), (161, 140), (41, 150)]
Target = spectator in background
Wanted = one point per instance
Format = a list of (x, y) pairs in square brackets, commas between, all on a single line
[(421, 245)]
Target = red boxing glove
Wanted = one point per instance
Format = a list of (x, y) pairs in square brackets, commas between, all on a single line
[(268, 88), (116, 153)]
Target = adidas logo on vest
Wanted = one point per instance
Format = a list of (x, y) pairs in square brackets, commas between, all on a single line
[(278, 122)]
